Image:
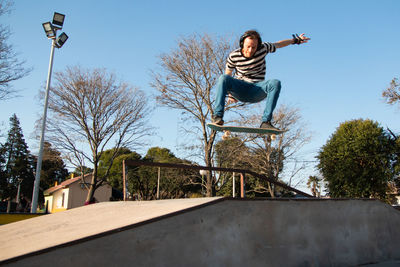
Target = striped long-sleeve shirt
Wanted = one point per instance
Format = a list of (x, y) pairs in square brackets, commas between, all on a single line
[(250, 69)]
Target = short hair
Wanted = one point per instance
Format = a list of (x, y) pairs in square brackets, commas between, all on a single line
[(253, 34)]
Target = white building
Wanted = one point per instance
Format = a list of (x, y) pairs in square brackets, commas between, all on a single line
[(72, 193)]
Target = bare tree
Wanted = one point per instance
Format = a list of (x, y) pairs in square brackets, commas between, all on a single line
[(88, 111), (11, 69), (392, 93), (269, 156), (185, 83)]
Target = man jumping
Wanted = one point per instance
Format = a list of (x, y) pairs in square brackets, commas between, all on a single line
[(248, 84)]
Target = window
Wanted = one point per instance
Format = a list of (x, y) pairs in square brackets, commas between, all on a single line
[(62, 199)]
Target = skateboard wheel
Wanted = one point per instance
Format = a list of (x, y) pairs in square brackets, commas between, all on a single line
[(273, 137), (227, 135)]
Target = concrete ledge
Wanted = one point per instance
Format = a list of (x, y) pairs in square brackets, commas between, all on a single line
[(210, 232), (52, 230)]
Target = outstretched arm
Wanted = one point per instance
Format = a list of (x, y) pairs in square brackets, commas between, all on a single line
[(295, 40)]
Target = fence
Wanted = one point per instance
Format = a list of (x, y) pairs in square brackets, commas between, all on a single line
[(242, 172)]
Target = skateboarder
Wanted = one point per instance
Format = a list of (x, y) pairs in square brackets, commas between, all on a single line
[(248, 84)]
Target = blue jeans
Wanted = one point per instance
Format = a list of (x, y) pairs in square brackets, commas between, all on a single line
[(247, 92)]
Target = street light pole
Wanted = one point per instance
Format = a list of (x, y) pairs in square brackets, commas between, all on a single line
[(35, 195), (51, 32), (202, 173), (158, 183)]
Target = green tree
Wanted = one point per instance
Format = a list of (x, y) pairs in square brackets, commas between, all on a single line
[(158, 154), (174, 183), (392, 97), (114, 177), (314, 183), (82, 171), (18, 163), (396, 164), (53, 167), (142, 181), (357, 160), (3, 180)]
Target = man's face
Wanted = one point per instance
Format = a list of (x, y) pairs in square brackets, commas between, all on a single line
[(249, 47)]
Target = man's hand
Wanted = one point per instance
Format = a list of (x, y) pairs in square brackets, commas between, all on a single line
[(231, 100), (300, 39)]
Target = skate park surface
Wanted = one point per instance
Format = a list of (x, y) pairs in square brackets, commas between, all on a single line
[(209, 232)]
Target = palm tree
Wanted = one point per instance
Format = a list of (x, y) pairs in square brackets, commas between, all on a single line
[(314, 183)]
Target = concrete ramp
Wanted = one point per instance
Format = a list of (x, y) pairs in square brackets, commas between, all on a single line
[(208, 232)]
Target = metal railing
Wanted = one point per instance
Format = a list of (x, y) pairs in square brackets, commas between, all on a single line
[(242, 173)]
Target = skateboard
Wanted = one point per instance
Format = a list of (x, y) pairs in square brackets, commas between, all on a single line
[(240, 129)]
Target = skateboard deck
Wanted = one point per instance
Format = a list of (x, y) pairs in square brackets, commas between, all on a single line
[(241, 129)]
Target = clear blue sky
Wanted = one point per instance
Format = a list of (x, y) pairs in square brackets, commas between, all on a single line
[(338, 76)]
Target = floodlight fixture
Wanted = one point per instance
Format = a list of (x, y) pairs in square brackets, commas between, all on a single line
[(49, 30), (61, 40), (58, 20)]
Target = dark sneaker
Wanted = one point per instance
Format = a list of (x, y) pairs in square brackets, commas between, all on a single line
[(218, 120), (268, 125)]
